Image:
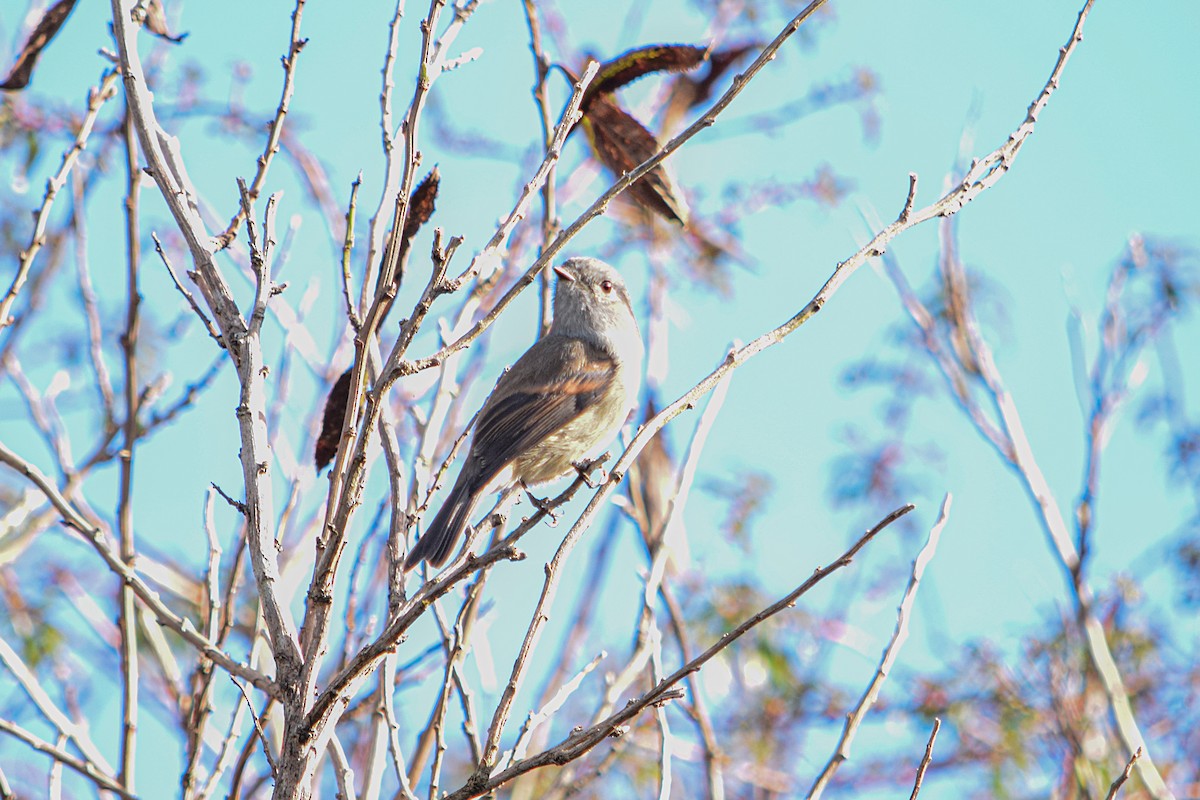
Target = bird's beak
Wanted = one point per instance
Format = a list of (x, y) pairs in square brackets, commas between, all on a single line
[(564, 275)]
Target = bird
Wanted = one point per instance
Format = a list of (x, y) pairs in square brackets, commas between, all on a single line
[(562, 401)]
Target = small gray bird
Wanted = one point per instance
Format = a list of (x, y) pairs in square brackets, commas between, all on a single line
[(562, 401)]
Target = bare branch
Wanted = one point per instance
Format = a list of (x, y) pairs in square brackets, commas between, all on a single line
[(76, 733), (275, 131), (85, 768), (1124, 776), (580, 742), (854, 718), (347, 248), (96, 99), (925, 759), (162, 612), (165, 165), (130, 432), (601, 204), (208, 326), (343, 772)]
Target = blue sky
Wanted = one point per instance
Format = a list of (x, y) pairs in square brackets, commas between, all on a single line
[(1114, 154)]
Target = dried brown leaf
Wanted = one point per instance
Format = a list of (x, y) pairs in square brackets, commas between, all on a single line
[(43, 32), (621, 143), (421, 206), (331, 421), (641, 61)]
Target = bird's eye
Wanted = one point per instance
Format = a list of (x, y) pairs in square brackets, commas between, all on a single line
[(606, 286)]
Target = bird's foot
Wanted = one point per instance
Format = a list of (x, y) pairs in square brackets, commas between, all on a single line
[(543, 505), (585, 467)]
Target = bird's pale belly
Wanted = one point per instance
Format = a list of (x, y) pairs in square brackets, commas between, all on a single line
[(580, 438)]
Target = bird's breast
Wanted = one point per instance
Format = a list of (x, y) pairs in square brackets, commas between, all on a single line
[(583, 437)]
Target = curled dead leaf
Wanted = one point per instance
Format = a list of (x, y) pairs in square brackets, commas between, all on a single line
[(622, 143), (331, 420), (45, 30)]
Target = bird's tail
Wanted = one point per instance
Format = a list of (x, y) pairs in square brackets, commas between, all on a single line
[(443, 533)]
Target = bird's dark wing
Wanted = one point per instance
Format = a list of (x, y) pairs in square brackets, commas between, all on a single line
[(555, 381)]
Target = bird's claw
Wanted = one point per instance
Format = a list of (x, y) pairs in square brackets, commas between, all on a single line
[(543, 506), (585, 467)]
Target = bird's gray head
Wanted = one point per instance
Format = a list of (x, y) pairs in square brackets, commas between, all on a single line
[(592, 303)]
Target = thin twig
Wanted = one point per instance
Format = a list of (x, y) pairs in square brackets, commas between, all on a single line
[(165, 165), (926, 759), (208, 326), (1124, 776), (539, 716), (129, 342), (899, 635), (97, 96), (541, 66), (392, 171), (163, 613), (581, 741), (600, 205), (85, 768), (347, 248), (258, 729), (275, 131)]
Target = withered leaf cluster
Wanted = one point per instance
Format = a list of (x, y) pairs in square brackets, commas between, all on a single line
[(621, 142)]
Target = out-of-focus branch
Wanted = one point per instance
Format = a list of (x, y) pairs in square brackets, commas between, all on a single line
[(96, 99), (37, 694), (1013, 445), (539, 716), (854, 718), (84, 768), (541, 67), (1053, 522), (181, 625), (130, 432), (87, 298), (343, 772)]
